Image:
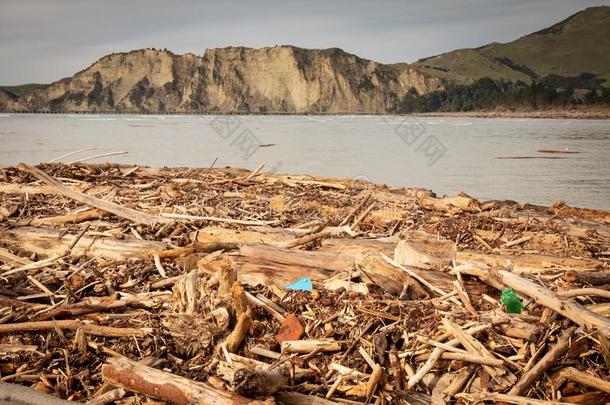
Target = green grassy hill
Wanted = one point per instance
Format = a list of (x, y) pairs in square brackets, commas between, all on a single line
[(580, 43), (23, 88)]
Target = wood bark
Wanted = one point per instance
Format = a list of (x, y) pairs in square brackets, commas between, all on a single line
[(580, 377), (260, 382), (73, 217), (72, 325), (128, 374), (587, 277)]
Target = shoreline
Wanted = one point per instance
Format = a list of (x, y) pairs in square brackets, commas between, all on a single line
[(601, 114)]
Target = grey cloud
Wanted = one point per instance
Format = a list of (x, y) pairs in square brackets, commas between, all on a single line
[(45, 40)]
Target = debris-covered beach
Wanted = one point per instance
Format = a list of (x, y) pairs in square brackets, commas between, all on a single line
[(128, 284)]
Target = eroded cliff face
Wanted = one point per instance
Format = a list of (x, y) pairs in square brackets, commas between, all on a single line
[(235, 79)]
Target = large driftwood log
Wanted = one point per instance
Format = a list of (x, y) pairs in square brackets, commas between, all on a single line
[(318, 260), (123, 212), (128, 374), (359, 247), (387, 276), (259, 234), (264, 264), (587, 277), (47, 242), (527, 263), (420, 249), (13, 188), (459, 203)]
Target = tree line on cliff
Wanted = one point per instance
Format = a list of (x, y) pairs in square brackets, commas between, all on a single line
[(552, 91)]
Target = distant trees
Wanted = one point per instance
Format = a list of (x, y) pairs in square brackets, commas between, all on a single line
[(485, 94)]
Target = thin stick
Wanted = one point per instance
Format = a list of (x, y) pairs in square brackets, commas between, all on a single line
[(72, 153), (436, 355), (88, 328), (509, 399), (255, 172), (579, 292), (216, 219), (159, 266), (545, 362), (98, 156)]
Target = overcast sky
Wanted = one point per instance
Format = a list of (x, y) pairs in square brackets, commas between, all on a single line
[(45, 40)]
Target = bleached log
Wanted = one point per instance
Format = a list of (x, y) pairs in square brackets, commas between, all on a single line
[(47, 242), (527, 263), (420, 249)]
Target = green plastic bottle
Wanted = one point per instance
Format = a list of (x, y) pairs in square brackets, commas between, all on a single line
[(511, 302)]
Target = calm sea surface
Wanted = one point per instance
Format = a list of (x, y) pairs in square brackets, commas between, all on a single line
[(446, 155)]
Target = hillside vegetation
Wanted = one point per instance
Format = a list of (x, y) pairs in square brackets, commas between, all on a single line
[(580, 43)]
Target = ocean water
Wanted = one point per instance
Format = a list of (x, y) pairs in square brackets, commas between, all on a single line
[(447, 155)]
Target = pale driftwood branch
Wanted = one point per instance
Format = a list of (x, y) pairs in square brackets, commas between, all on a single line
[(308, 346), (123, 212), (88, 328), (570, 373), (504, 398), (436, 355), (72, 153), (580, 292), (98, 156), (577, 313), (543, 364), (187, 217)]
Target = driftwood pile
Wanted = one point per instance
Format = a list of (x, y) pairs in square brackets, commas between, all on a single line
[(129, 285)]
